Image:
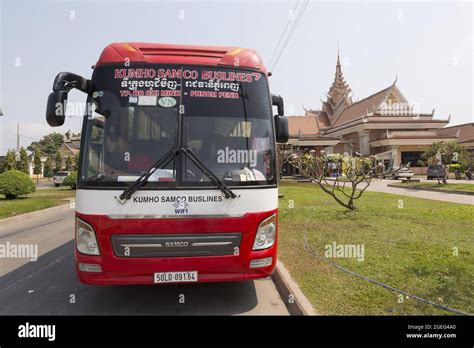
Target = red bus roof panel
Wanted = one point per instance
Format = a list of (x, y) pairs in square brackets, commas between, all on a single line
[(181, 54)]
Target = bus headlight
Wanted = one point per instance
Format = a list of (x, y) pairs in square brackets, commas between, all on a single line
[(266, 234), (85, 238)]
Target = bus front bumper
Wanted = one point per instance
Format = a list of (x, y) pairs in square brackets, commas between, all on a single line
[(110, 269)]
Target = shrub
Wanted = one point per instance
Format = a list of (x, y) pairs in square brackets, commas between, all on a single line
[(454, 167), (420, 163), (14, 184), (71, 180)]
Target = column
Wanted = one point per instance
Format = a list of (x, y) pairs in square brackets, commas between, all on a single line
[(364, 137), (396, 162)]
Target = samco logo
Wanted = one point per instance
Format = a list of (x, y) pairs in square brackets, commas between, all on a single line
[(176, 244)]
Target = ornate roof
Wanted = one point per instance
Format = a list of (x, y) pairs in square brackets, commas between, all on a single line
[(338, 96), (463, 132)]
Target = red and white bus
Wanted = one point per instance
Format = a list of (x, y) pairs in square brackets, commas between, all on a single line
[(177, 179)]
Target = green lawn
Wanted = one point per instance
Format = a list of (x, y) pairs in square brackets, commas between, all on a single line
[(435, 185), (38, 200), (410, 248)]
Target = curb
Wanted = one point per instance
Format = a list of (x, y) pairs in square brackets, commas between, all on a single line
[(286, 286), (32, 214), (421, 188)]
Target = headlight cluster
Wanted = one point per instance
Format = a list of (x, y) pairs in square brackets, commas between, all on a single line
[(86, 241), (266, 233)]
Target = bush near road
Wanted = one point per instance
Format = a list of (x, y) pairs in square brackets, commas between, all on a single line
[(410, 243), (71, 180), (14, 184)]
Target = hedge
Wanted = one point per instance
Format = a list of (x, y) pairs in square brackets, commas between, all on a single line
[(14, 184)]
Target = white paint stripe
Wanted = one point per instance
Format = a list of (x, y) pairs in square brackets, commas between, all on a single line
[(102, 202)]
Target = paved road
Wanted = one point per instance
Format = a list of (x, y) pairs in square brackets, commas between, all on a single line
[(46, 286), (44, 185), (381, 186)]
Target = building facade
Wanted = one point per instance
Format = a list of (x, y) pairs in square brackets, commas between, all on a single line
[(69, 149), (383, 124)]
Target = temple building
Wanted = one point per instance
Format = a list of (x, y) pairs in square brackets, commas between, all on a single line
[(464, 134), (384, 124)]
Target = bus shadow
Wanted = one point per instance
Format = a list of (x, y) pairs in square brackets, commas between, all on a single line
[(50, 286)]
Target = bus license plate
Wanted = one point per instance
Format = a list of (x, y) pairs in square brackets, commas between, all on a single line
[(176, 277)]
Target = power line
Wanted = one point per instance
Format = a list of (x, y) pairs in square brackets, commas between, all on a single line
[(295, 24), (24, 136), (283, 33)]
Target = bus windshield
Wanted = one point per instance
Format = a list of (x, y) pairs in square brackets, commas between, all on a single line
[(139, 113)]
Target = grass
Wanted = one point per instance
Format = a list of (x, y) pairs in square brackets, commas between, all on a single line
[(41, 199), (410, 248), (435, 185)]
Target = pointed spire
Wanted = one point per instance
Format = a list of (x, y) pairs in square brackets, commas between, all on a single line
[(339, 88)]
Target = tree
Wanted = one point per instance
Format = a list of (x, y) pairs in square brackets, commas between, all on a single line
[(48, 168), (446, 153), (284, 153), (76, 162), (49, 144), (36, 162), (23, 163), (10, 161), (58, 162), (350, 175), (69, 163)]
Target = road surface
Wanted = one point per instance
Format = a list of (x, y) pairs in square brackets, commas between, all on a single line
[(50, 286), (378, 185)]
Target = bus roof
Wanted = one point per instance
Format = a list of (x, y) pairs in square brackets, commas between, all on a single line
[(181, 54)]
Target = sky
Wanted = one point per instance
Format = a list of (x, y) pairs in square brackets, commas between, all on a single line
[(427, 45)]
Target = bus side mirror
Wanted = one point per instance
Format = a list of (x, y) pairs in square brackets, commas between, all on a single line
[(65, 81), (277, 101), (56, 109), (281, 122), (281, 129), (57, 101)]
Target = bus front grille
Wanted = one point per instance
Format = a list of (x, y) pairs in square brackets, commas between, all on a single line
[(176, 245)]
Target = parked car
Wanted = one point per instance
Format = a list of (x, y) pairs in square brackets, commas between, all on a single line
[(59, 177), (402, 172), (434, 171)]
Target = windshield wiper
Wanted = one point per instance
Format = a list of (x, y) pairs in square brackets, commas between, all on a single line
[(96, 178), (162, 162), (214, 179)]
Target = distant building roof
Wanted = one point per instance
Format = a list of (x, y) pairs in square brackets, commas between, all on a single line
[(69, 148), (302, 125), (463, 132), (339, 111)]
